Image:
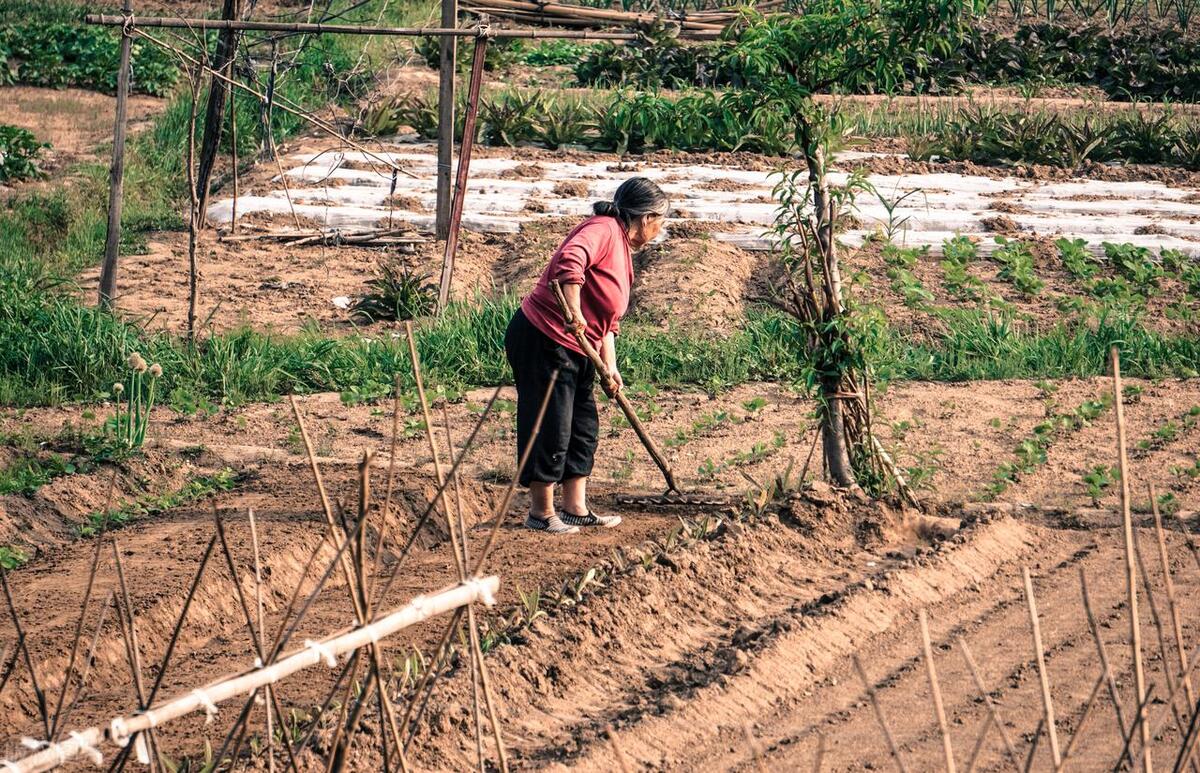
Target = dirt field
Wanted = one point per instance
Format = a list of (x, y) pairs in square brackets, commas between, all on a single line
[(753, 624)]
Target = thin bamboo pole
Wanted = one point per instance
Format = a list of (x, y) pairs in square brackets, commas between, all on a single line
[(1135, 629), (174, 22), (1172, 607), (938, 708), (1043, 677), (1102, 651), (121, 728), (447, 69), (888, 738), (989, 704)]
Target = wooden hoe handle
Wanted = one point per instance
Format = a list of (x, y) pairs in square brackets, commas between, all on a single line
[(618, 395)]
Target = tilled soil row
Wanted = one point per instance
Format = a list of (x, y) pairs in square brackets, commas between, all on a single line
[(680, 661)]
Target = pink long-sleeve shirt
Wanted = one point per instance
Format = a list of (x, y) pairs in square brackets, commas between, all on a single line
[(597, 256)]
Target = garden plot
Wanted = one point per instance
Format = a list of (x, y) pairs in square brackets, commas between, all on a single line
[(348, 190)]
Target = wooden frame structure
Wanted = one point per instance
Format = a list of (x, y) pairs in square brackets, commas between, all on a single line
[(450, 201)]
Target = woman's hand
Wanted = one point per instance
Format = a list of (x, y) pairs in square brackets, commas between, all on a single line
[(612, 382)]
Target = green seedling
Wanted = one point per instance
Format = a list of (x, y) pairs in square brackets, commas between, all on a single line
[(1097, 480)]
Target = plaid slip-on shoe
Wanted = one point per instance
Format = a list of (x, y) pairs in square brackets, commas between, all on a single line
[(590, 519), (551, 523)]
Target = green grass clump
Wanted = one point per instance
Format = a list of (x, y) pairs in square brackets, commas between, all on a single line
[(143, 507), (29, 473)]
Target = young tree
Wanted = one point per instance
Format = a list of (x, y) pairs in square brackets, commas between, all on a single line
[(832, 45)]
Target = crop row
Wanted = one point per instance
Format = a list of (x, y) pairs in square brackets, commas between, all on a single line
[(1155, 64), (630, 121), (987, 135), (61, 54)]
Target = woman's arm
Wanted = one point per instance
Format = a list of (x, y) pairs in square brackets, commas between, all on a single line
[(608, 353), (572, 293)]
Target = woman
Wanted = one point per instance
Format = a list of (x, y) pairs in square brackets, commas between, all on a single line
[(594, 265)]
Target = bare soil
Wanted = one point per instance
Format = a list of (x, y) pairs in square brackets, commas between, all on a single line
[(752, 625)]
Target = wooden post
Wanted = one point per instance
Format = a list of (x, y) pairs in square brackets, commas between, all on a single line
[(116, 176), (1135, 629), (445, 149), (218, 92), (464, 166)]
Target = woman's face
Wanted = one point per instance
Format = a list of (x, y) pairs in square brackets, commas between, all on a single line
[(645, 230)]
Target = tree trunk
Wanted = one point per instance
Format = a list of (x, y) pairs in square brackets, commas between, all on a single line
[(833, 436), (834, 443), (218, 90)]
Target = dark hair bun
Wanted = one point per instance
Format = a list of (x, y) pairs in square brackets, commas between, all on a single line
[(606, 209)]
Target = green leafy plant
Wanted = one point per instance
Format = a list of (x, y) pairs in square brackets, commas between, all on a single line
[(511, 117), (19, 154), (143, 507), (957, 253), (396, 294), (1097, 480), (12, 557), (1076, 258), (1016, 261)]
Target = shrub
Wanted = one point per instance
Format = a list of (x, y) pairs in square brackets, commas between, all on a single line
[(19, 151), (59, 54)]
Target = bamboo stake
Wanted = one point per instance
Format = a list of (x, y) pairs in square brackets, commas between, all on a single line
[(980, 739), (471, 622), (262, 644), (233, 157), (116, 174), (1130, 579), (1172, 607), (1103, 652), (193, 209), (819, 758), (988, 703), (1156, 619), (938, 708), (133, 648), (1043, 677), (1083, 718), (122, 729), (447, 69), (883, 724)]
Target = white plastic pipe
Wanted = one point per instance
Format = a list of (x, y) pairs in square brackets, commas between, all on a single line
[(120, 729)]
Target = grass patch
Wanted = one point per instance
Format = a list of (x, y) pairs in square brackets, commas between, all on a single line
[(143, 507)]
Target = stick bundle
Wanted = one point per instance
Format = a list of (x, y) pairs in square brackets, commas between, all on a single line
[(121, 729)]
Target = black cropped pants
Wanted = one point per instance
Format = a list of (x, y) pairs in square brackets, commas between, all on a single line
[(566, 444)]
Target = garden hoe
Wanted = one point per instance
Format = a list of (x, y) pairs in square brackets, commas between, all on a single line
[(672, 496)]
